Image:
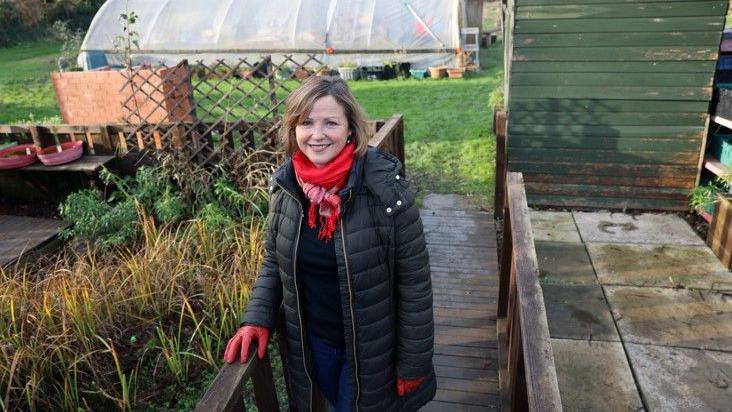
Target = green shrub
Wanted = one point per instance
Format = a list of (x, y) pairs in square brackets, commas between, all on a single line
[(172, 192)]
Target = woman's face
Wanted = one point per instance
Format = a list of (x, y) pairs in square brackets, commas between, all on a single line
[(324, 132)]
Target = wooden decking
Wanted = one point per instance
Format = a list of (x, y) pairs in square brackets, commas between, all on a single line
[(20, 235), (462, 247)]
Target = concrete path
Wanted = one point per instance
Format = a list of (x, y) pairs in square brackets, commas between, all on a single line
[(463, 259), (639, 311)]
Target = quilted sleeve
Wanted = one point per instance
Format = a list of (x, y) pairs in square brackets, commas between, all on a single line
[(413, 290), (264, 302)]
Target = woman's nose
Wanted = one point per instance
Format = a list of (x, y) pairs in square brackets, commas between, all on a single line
[(319, 131)]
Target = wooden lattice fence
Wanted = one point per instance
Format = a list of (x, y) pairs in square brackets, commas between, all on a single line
[(210, 111)]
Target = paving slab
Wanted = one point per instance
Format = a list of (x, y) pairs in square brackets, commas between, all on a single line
[(606, 227), (659, 265), (689, 318), (564, 263), (578, 312), (676, 379), (557, 226), (594, 376)]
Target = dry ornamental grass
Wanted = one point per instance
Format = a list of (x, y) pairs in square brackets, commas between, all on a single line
[(131, 327)]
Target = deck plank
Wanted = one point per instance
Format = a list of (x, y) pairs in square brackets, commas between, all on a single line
[(464, 265), (20, 235)]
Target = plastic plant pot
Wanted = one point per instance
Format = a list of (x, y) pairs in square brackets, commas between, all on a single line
[(438, 72), (417, 73), (348, 73), (403, 69), (17, 156), (455, 72), (372, 73), (70, 151)]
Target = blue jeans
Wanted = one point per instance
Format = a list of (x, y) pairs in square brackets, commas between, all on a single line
[(331, 373)]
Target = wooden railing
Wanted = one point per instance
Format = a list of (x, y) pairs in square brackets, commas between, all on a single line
[(107, 139), (527, 375), (389, 136), (226, 392), (499, 129)]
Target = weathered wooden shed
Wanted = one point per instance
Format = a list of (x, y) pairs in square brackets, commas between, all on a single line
[(608, 102)]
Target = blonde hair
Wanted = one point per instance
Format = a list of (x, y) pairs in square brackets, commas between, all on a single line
[(300, 102)]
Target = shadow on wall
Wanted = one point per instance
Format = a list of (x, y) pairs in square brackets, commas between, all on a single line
[(596, 153)]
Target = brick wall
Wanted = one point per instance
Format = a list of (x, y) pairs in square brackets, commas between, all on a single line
[(94, 97)]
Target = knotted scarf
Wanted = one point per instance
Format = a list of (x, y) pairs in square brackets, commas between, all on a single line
[(321, 186)]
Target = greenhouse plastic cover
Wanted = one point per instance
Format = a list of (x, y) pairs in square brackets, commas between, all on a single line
[(363, 31)]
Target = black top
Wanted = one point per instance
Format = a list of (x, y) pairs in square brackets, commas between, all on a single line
[(316, 264)]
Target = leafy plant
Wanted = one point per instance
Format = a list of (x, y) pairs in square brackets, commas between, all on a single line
[(130, 37), (703, 195), (348, 64), (496, 98), (71, 43)]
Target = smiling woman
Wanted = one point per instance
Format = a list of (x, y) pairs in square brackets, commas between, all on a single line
[(353, 278)]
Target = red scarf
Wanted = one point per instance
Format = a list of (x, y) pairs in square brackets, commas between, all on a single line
[(321, 186)]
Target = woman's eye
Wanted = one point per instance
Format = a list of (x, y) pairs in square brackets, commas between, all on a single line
[(306, 123)]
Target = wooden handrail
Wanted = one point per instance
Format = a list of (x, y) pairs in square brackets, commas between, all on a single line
[(499, 129), (226, 392), (528, 361), (390, 137)]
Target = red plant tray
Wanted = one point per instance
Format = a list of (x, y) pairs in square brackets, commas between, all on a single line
[(70, 151), (14, 157)]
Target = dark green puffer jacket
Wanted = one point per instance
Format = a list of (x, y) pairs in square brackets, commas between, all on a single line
[(384, 277)]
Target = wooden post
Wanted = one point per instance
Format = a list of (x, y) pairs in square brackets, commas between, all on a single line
[(107, 142), (90, 142), (265, 394), (499, 128), (505, 268), (226, 391), (35, 136), (158, 141), (122, 142), (282, 347), (400, 143)]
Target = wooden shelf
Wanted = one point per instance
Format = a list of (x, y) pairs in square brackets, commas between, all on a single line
[(716, 167), (86, 163), (721, 120)]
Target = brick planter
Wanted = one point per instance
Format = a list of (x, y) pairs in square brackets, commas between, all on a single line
[(93, 97)]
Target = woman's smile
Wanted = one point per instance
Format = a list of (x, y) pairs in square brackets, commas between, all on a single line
[(319, 147)]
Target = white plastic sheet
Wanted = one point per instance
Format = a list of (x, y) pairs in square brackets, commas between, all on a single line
[(363, 31)]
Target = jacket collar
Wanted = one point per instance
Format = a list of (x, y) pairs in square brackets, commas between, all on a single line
[(285, 177)]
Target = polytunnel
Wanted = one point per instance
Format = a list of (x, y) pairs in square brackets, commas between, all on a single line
[(422, 32)]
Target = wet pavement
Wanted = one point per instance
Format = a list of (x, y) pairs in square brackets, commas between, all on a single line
[(639, 311)]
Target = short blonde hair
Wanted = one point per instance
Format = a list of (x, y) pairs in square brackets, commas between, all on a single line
[(300, 102)]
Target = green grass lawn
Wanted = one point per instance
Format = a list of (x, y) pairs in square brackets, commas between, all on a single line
[(26, 93), (449, 146), (447, 125)]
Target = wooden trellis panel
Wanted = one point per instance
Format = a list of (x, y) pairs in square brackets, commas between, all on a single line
[(210, 110)]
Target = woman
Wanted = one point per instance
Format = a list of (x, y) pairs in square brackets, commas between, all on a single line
[(345, 254)]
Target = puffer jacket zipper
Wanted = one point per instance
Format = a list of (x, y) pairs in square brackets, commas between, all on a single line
[(353, 319), (297, 292)]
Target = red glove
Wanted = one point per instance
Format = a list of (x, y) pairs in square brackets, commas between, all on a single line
[(404, 386), (239, 343)]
